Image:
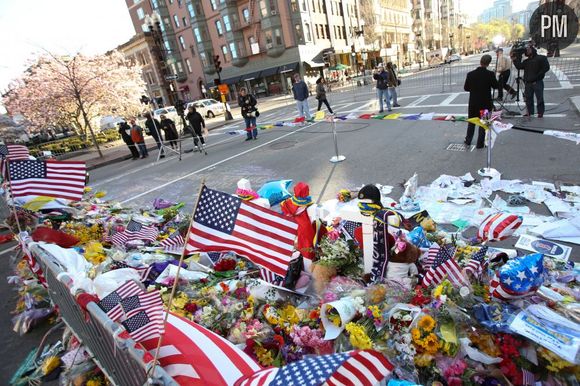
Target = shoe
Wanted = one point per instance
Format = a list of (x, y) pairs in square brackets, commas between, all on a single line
[(162, 156), (540, 115), (525, 115), (248, 139), (467, 143), (255, 137), (381, 111), (134, 158), (396, 105), (479, 147), (389, 110)]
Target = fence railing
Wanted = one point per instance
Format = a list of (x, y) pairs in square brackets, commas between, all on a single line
[(118, 358)]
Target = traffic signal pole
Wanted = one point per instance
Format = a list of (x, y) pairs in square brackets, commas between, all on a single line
[(218, 68)]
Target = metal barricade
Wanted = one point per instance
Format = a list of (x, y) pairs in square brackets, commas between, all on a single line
[(118, 358)]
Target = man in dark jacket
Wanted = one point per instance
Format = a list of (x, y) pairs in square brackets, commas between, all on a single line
[(479, 83), (196, 123), (125, 131), (300, 91), (382, 77), (154, 128), (535, 68)]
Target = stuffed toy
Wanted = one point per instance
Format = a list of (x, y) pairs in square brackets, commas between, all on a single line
[(402, 264), (245, 192), (322, 275)]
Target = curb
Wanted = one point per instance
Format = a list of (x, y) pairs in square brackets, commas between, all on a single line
[(575, 101)]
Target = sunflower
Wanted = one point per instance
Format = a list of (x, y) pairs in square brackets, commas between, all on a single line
[(427, 323), (416, 334), (431, 343)]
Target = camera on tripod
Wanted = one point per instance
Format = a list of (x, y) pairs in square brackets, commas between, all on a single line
[(519, 48)]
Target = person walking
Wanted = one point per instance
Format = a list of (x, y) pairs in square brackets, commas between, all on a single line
[(137, 138), (394, 82), (125, 132), (300, 91), (248, 103), (479, 83), (503, 70), (154, 128), (382, 78), (321, 94), (196, 123), (535, 68), (170, 131)]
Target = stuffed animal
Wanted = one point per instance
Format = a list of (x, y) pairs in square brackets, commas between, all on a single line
[(322, 275), (401, 266)]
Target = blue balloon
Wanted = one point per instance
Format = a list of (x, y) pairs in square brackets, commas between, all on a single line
[(522, 275), (275, 191), (418, 238)]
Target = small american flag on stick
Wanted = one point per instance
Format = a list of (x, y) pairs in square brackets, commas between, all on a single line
[(174, 243), (444, 265), (111, 303), (477, 262), (135, 231), (145, 324)]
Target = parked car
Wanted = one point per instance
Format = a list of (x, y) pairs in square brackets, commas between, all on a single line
[(453, 58), (208, 107), (169, 111)]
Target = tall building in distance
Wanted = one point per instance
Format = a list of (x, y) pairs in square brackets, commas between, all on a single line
[(260, 42), (501, 9), (523, 17)]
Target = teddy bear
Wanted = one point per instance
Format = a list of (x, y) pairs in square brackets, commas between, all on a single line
[(402, 263)]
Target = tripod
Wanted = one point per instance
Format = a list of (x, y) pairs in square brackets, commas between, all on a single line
[(516, 84), (200, 145)]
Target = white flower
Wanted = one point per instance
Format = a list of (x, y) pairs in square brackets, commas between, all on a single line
[(407, 318)]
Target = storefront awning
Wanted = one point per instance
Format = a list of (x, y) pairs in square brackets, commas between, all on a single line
[(269, 72), (288, 68), (233, 80), (251, 76)]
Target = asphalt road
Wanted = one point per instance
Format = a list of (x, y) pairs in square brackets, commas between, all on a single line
[(377, 151)]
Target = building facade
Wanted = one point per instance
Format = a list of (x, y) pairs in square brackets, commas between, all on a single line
[(393, 30), (501, 9), (523, 17)]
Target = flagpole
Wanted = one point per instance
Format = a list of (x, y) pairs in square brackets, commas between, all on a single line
[(12, 204), (176, 280)]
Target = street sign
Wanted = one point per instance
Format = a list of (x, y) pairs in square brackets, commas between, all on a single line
[(170, 77), (224, 89)]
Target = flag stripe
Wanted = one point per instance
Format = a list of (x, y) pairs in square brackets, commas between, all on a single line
[(268, 217), (255, 239), (254, 231), (264, 224)]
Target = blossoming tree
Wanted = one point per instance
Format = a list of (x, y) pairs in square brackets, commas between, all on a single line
[(74, 91)]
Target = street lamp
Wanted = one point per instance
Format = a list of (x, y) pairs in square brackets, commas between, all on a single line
[(468, 37), (451, 42)]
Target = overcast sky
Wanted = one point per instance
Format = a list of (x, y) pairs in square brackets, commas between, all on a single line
[(89, 26)]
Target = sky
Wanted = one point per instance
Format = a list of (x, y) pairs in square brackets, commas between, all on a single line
[(474, 7), (61, 26)]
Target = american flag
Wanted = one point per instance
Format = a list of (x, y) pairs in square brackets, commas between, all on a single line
[(195, 356), (146, 323), (429, 259), (14, 152), (348, 227), (223, 222), (135, 231), (528, 378), (355, 368), (30, 259), (174, 243), (444, 265), (143, 271), (61, 179), (477, 262), (111, 303), (270, 277), (144, 300)]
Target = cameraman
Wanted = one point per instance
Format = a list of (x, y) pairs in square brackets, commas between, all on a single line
[(535, 68)]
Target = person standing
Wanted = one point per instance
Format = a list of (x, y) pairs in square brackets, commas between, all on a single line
[(393, 84), (137, 138), (196, 123), (503, 69), (382, 78), (479, 83), (154, 128), (248, 103), (300, 91), (168, 127), (125, 132), (321, 94), (535, 68)]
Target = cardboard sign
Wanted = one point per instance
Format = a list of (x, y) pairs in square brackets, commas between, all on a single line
[(549, 248), (417, 218)]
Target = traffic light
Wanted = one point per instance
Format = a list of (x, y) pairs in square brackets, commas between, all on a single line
[(144, 99), (352, 49), (217, 63), (217, 81)]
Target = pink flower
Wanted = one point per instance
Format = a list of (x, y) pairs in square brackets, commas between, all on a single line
[(454, 381), (330, 297), (333, 235)]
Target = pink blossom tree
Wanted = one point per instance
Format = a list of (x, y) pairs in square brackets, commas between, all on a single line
[(75, 91)]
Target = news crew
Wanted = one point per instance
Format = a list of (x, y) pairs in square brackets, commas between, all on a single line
[(502, 69), (535, 68)]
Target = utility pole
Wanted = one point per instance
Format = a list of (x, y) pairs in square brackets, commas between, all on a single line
[(218, 82)]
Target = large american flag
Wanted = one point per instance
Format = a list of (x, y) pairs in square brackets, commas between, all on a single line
[(477, 262), (135, 231), (355, 368), (223, 222), (444, 265), (111, 303), (195, 356), (61, 179)]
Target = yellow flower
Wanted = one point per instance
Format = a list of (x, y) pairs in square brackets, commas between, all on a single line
[(179, 301), (438, 291), (358, 336), (427, 323), (88, 189), (264, 356), (423, 360), (100, 194), (376, 311), (416, 334), (431, 343), (288, 314), (50, 364)]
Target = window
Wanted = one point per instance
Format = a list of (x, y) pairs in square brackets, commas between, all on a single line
[(184, 21), (136, 1), (272, 6), (268, 35), (203, 57), (299, 36), (213, 4), (225, 53), (149, 78), (167, 46), (263, 8), (343, 32), (191, 10), (179, 67), (246, 15), (307, 32), (278, 36), (304, 5), (197, 35), (327, 32), (188, 65), (233, 51), (314, 5), (219, 28), (227, 23), (254, 47), (182, 42), (294, 5), (176, 21), (155, 4), (140, 13), (317, 31)]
